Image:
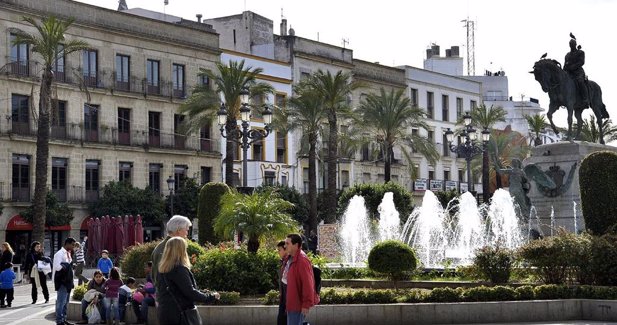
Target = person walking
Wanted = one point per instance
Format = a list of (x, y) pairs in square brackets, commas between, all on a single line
[(176, 288), (177, 226), (6, 256), (7, 276), (298, 274), (63, 279), (281, 319), (105, 264), (38, 279), (80, 262), (112, 292)]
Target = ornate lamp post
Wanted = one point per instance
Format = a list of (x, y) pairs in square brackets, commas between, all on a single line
[(471, 148), (170, 186), (245, 137)]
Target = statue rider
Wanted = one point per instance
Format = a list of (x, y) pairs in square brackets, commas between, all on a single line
[(573, 65)]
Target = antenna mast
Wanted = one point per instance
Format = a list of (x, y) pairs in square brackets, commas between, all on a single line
[(470, 25)]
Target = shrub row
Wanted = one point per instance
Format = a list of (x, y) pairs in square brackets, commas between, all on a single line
[(476, 294), (135, 257)]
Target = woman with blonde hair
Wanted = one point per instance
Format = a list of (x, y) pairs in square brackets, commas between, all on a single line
[(7, 255), (176, 288)]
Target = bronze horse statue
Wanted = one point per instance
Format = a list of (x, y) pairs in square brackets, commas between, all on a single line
[(561, 89)]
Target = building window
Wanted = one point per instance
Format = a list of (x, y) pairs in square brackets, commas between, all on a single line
[(461, 176), (284, 180), (473, 104), (365, 152), (305, 179), (204, 138), (91, 122), (344, 179), (154, 177), (92, 180), (414, 97), (445, 107), (21, 178), (281, 147), (20, 114), (280, 100), (58, 66), (152, 77), (180, 172), (58, 120), (124, 126), (431, 136), (206, 175), (459, 108), (204, 80), (430, 104), (123, 72), (124, 172), (20, 55), (90, 67), (304, 75), (179, 138), (446, 175), (257, 150), (431, 174), (177, 78), (236, 179), (58, 178), (269, 178), (154, 129)]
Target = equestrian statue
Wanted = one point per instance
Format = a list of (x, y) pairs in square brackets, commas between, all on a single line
[(570, 88)]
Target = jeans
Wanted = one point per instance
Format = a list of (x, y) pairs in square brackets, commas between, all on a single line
[(62, 302), (141, 310), (294, 318), (111, 308)]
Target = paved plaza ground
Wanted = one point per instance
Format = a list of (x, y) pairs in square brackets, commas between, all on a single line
[(25, 313)]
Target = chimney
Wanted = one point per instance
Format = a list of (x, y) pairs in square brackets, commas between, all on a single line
[(284, 27), (448, 53), (435, 49), (454, 50), (198, 18)]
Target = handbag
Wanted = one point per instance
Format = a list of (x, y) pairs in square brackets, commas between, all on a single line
[(188, 316)]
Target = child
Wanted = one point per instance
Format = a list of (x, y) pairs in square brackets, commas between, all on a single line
[(80, 262), (105, 264), (125, 295), (6, 285), (112, 292)]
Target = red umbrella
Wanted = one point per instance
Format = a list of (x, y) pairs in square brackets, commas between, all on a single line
[(111, 235), (98, 228), (139, 231), (119, 235), (104, 233), (125, 227), (89, 245), (131, 232)]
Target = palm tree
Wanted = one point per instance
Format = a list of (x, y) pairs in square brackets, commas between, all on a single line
[(50, 44), (536, 125), (257, 216), (389, 119), (204, 102), (305, 112), (591, 133), (334, 91)]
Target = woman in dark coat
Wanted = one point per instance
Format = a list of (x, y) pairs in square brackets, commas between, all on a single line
[(30, 268), (7, 255), (176, 290)]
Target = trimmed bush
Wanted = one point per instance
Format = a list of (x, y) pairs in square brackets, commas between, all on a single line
[(494, 263), (272, 297), (135, 257), (603, 265), (80, 291), (373, 194), (237, 270), (597, 179), (524, 293), (228, 298), (482, 293), (208, 209), (445, 295), (552, 291), (392, 258)]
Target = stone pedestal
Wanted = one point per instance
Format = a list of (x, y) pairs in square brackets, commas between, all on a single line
[(557, 160)]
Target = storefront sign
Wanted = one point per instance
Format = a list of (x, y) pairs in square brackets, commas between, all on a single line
[(451, 185), (436, 185), (420, 185)]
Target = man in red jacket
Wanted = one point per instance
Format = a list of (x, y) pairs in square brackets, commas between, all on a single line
[(298, 275)]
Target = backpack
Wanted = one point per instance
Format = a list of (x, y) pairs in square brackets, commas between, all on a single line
[(317, 277)]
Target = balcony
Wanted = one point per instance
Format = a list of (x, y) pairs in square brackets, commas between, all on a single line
[(92, 196), (22, 128), (58, 132), (20, 192), (20, 68), (61, 194)]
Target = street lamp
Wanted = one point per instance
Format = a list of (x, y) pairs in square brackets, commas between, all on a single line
[(171, 186), (245, 137), (471, 148)]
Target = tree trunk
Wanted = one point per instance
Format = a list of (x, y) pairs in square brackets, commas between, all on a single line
[(253, 244), (387, 162), (42, 156), (331, 199), (230, 129), (312, 190)]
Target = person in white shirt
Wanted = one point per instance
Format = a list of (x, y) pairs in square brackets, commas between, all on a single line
[(63, 279)]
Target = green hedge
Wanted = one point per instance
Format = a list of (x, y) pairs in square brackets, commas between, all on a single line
[(237, 270), (597, 179), (494, 263), (208, 208), (395, 259), (373, 194), (135, 257)]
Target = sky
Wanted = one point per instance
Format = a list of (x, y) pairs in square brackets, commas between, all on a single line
[(509, 35)]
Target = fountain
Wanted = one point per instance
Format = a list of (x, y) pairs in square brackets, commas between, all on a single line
[(438, 235)]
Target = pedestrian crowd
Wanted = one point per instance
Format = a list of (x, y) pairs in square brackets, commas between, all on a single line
[(169, 286)]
